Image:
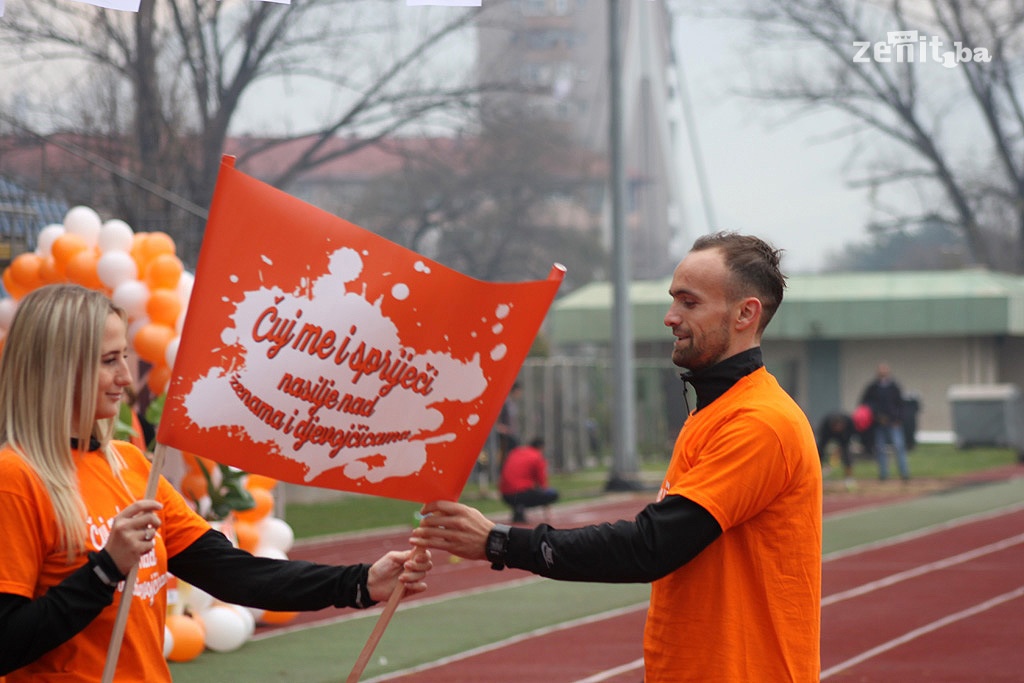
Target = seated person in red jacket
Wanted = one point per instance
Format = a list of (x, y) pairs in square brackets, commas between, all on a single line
[(524, 479)]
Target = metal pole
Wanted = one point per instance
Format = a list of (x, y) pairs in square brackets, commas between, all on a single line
[(624, 458)]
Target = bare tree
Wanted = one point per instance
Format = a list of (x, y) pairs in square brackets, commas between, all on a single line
[(935, 104), (501, 205), (165, 85)]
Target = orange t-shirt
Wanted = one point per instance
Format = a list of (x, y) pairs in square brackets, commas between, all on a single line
[(32, 564), (747, 608)]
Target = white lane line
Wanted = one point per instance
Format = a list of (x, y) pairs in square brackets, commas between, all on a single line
[(924, 531), (887, 581), (922, 569), (512, 640), (924, 630), (611, 673), (376, 610)]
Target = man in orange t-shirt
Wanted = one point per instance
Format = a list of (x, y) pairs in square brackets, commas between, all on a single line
[(732, 546)]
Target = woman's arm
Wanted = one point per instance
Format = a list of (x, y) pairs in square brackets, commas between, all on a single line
[(31, 628)]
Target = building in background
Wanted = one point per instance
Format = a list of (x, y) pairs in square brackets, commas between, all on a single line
[(553, 56)]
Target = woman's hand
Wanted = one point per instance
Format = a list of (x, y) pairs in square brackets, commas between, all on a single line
[(408, 567), (455, 528), (133, 534)]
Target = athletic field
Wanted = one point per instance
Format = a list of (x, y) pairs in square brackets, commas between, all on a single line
[(919, 584)]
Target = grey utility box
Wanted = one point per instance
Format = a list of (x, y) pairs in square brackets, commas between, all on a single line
[(987, 415)]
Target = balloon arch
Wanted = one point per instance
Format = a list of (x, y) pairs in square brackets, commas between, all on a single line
[(139, 271), (142, 274)]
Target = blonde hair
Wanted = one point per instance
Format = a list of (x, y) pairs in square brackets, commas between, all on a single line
[(48, 374)]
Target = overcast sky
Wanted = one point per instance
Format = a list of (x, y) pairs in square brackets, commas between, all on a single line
[(779, 180), (770, 179)]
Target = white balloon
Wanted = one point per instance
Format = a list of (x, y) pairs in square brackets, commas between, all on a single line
[(134, 327), (168, 642), (276, 533), (171, 352), (84, 222), (226, 629), (47, 236), (248, 617), (197, 600), (185, 283), (115, 235), (7, 308), (115, 268), (132, 297), (264, 550)]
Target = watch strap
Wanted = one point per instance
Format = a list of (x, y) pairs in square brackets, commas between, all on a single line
[(497, 546)]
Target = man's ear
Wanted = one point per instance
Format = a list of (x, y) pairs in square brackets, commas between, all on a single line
[(749, 313)]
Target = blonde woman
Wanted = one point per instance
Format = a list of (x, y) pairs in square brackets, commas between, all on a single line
[(73, 522)]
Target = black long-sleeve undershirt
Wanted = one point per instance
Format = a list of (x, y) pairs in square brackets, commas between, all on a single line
[(661, 538), (30, 628), (214, 565)]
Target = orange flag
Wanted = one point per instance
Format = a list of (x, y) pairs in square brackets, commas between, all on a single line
[(318, 353)]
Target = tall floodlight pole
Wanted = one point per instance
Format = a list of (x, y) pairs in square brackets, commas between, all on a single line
[(624, 457)]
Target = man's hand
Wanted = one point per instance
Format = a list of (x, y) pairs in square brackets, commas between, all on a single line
[(454, 528)]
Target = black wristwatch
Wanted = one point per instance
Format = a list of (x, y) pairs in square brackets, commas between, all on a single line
[(497, 545)]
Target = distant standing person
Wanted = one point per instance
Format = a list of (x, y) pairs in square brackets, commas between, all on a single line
[(885, 398), (508, 422), (524, 480)]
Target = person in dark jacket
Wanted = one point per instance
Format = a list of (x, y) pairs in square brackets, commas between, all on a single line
[(838, 428), (885, 398)]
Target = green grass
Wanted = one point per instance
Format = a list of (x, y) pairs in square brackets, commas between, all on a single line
[(932, 461), (357, 513)]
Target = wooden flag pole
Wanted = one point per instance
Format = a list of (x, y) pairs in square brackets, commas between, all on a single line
[(114, 649), (378, 632)]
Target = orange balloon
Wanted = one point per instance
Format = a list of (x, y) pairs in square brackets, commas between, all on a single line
[(13, 287), (270, 617), (159, 376), (48, 271), (163, 272), (138, 239), (189, 637), (63, 248), (260, 481), (193, 486), (81, 269), (25, 270), (151, 342), (264, 505), (155, 244), (164, 306), (192, 462), (247, 534)]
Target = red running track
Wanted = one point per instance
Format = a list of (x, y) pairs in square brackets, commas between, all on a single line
[(943, 606)]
